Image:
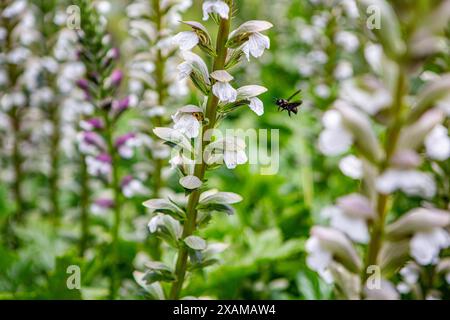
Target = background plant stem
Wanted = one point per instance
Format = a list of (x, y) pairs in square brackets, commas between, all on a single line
[(115, 186), (383, 201), (54, 162), (84, 205)]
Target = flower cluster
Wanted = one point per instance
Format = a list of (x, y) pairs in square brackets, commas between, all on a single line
[(197, 147), (382, 134), (154, 83), (102, 147), (16, 80)]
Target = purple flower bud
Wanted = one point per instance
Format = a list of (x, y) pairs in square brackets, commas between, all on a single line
[(105, 158), (92, 124), (113, 53), (121, 105), (116, 78), (105, 203), (83, 84), (120, 141), (94, 139), (126, 180)]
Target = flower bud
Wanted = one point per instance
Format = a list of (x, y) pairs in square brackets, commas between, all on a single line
[(361, 129), (356, 205), (393, 255), (413, 136), (388, 32), (428, 97), (203, 36), (416, 220), (120, 106), (406, 159), (115, 79), (339, 245), (83, 84)]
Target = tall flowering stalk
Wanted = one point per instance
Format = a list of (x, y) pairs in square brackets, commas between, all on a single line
[(152, 70), (46, 95), (15, 23), (197, 148), (387, 164), (99, 139)]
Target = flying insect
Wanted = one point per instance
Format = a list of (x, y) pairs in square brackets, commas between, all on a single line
[(286, 104)]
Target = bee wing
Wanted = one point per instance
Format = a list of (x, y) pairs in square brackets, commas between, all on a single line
[(296, 93)]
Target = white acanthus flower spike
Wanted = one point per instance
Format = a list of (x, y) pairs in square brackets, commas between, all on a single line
[(256, 45), (222, 88), (186, 40), (437, 143), (411, 182), (335, 139), (250, 93), (215, 6), (425, 246), (187, 120)]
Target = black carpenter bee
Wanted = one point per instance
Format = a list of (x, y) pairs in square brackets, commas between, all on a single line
[(286, 104)]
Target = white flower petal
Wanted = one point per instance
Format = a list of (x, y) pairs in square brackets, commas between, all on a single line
[(355, 228), (352, 167), (333, 142), (425, 246), (256, 45), (225, 92), (186, 40), (250, 91), (257, 106), (437, 143)]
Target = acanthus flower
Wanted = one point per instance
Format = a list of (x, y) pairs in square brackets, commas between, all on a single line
[(222, 88), (187, 120), (215, 6)]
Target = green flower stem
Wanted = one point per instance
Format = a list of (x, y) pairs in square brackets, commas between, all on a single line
[(84, 205), (200, 169), (115, 186), (383, 201), (55, 163), (160, 65), (17, 163)]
